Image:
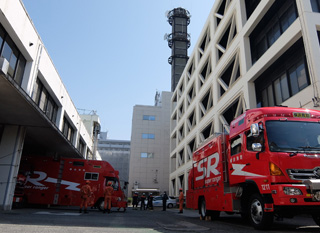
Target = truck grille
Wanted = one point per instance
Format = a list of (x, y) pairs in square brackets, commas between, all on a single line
[(303, 174)]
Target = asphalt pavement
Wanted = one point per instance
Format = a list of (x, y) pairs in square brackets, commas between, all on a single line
[(69, 220)]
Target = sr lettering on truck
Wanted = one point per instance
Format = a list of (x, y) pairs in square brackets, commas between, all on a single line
[(42, 176), (207, 166)]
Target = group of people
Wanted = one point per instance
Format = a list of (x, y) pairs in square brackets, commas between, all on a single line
[(136, 199), (86, 193)]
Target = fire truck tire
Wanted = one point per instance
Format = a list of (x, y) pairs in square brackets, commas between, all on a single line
[(258, 218), (316, 218), (101, 205), (203, 209)]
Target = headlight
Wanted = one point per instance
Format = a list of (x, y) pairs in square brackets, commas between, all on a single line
[(292, 191)]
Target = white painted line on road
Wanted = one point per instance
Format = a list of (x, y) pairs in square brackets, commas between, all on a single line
[(63, 214)]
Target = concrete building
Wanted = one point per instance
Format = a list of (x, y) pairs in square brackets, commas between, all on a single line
[(250, 54), (150, 147), (117, 153), (37, 116)]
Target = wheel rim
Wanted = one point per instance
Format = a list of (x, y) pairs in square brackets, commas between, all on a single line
[(101, 205), (256, 211), (203, 208)]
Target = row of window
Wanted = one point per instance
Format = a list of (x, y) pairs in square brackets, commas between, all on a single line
[(286, 77), (286, 85), (146, 155), (67, 129), (11, 53), (44, 101), (280, 16), (148, 136), (149, 117)]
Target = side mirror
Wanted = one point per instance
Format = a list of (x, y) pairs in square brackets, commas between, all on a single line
[(254, 129), (256, 147)]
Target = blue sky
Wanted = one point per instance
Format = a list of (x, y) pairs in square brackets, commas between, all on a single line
[(111, 55)]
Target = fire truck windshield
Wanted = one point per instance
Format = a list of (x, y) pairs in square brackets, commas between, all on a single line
[(293, 136)]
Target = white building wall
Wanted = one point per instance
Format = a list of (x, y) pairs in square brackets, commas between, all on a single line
[(39, 63), (243, 89), (150, 173)]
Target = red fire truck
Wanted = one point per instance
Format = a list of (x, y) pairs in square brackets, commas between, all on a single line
[(58, 182), (268, 166)]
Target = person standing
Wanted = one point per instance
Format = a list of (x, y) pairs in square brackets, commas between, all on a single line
[(164, 201), (143, 204), (181, 199), (135, 201), (85, 193), (107, 198), (150, 202)]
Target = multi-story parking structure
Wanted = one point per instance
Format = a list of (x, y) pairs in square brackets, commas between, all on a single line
[(251, 53)]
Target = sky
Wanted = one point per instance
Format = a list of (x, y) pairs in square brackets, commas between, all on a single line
[(111, 55)]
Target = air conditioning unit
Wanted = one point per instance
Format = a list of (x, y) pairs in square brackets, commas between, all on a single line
[(4, 65)]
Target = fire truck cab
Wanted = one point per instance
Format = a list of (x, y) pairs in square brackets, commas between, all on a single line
[(268, 165)]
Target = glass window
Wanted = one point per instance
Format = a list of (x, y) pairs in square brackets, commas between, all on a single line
[(236, 145), (302, 76), (43, 100), (270, 96), (273, 34), (10, 53), (20, 70), (315, 4), (147, 136), (146, 155), (264, 98), (298, 77), (288, 18), (284, 87), (91, 176), (149, 118), (281, 89)]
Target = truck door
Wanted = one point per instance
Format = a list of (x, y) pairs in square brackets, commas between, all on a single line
[(247, 164)]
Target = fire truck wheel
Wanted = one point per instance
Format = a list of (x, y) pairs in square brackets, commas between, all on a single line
[(316, 218), (101, 205), (203, 209), (259, 219)]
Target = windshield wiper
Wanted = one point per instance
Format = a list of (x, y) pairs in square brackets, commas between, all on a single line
[(303, 150)]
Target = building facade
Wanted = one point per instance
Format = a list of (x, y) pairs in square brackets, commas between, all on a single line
[(117, 153), (37, 115), (150, 147), (251, 53)]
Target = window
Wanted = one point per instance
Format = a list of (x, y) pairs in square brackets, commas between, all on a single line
[(44, 101), (146, 155), (280, 16), (81, 146), (149, 118), (91, 176), (147, 136), (251, 6), (78, 164), (10, 52), (285, 78), (298, 77), (251, 139), (236, 145), (315, 4), (67, 130)]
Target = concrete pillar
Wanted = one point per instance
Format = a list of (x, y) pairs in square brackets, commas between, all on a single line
[(11, 145)]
